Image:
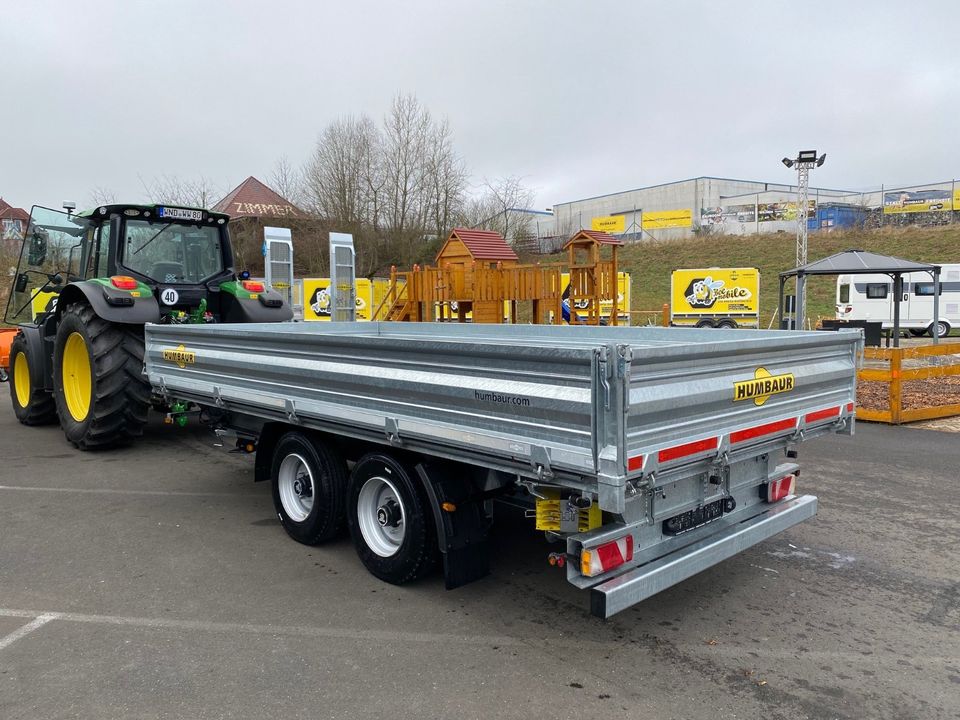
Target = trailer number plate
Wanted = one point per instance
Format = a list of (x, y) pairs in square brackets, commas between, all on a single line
[(695, 518)]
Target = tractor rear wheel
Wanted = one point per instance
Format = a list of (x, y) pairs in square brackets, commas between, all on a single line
[(101, 396), (31, 404)]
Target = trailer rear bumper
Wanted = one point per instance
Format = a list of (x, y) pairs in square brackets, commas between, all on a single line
[(621, 592)]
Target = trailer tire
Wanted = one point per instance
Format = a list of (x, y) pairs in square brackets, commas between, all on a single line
[(390, 520), (308, 479), (101, 396), (727, 324), (704, 324), (941, 328), (32, 405)]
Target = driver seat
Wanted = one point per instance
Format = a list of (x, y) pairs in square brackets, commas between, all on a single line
[(168, 272)]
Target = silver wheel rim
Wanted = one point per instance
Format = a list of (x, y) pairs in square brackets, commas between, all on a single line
[(941, 329), (297, 489), (381, 516)]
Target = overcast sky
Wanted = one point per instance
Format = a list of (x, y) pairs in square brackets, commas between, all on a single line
[(579, 98)]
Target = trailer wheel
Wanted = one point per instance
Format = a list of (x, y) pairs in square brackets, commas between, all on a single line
[(308, 480), (941, 327), (32, 405), (102, 399), (727, 324), (704, 323), (390, 520)]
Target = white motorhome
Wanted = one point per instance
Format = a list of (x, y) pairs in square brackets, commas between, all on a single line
[(870, 297)]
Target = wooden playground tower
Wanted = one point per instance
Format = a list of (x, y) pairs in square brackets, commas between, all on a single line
[(477, 273)]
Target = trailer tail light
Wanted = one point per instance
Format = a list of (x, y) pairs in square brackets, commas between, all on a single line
[(779, 489), (123, 282), (606, 557), (254, 286)]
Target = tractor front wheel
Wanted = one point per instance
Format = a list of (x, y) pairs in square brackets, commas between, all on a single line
[(101, 397), (31, 404)]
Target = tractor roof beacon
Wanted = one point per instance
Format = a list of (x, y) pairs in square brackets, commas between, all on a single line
[(85, 285)]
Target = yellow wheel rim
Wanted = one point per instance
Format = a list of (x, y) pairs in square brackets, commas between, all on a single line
[(77, 378), (21, 379)]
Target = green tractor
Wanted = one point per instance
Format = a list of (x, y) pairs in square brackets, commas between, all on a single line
[(85, 285)]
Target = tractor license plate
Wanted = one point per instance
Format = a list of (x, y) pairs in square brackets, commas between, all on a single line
[(180, 214), (693, 518)]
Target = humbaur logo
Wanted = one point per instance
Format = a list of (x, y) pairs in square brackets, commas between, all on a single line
[(762, 386), (180, 355)]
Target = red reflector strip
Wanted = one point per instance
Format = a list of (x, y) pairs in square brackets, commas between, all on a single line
[(635, 463), (615, 553), (849, 407), (822, 414), (690, 448), (760, 430)]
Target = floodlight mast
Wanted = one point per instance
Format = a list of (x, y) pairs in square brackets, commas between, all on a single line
[(805, 161)]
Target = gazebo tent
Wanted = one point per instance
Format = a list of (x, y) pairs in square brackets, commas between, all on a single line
[(860, 262)]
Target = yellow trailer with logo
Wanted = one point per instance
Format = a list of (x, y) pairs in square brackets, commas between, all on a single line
[(715, 297)]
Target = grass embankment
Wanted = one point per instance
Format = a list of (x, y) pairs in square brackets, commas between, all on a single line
[(651, 262)]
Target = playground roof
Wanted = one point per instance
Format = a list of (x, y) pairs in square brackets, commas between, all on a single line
[(482, 244), (856, 262), (601, 238)]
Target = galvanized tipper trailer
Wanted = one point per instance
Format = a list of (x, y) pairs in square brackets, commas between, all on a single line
[(650, 452)]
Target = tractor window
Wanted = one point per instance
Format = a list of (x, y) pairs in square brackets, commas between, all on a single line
[(98, 253), (175, 253), (51, 252)]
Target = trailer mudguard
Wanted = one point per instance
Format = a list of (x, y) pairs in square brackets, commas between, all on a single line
[(117, 306), (461, 522)]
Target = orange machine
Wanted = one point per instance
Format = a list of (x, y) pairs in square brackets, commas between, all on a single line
[(6, 338)]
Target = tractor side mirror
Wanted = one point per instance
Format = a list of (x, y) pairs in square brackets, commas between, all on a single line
[(21, 284), (38, 250)]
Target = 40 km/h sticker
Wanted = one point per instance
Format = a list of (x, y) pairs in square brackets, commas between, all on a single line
[(169, 296)]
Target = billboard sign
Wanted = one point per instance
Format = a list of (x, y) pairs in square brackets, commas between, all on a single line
[(661, 219), (918, 201), (614, 224)]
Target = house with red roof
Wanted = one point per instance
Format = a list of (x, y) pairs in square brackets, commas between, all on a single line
[(465, 246), (13, 222)]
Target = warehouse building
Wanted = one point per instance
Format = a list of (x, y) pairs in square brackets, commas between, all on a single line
[(677, 209)]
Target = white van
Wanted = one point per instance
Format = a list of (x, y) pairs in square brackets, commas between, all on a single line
[(870, 297)]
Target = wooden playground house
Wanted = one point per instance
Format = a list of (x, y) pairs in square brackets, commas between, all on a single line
[(592, 279), (478, 278)]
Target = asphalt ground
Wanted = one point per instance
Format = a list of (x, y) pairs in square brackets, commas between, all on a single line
[(155, 582)]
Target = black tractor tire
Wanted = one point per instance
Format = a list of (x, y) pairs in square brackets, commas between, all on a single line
[(405, 556), (32, 405), (118, 398), (308, 478)]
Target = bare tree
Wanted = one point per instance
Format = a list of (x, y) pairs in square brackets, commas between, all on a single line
[(172, 190), (501, 207), (102, 196), (446, 178), (336, 182), (287, 181)]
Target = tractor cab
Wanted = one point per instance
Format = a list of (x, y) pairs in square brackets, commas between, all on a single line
[(85, 285), (167, 264)]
